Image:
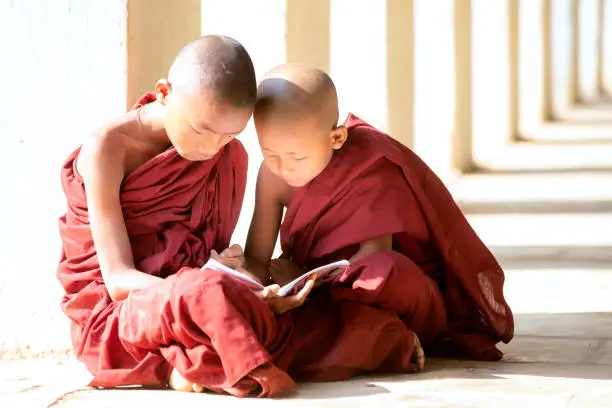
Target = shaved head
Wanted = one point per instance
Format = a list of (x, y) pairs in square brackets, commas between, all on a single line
[(296, 91), (296, 118), (216, 64), (208, 97)]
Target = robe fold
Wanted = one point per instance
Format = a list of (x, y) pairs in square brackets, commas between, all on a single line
[(211, 329), (440, 278)]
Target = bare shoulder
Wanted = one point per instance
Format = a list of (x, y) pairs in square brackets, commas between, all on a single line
[(105, 148), (119, 147), (273, 187)]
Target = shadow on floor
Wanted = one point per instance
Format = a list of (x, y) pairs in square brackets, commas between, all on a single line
[(554, 257)]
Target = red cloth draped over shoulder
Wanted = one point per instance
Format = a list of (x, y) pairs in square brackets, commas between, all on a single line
[(375, 186), (175, 211)]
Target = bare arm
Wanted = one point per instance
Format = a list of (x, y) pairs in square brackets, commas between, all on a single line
[(101, 166), (265, 223)]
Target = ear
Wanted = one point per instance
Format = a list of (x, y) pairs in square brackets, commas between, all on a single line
[(338, 137), (163, 88)]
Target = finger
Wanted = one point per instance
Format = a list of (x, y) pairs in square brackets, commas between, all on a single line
[(233, 251), (269, 291), (303, 294), (213, 254)]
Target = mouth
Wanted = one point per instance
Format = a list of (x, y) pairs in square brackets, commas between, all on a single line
[(293, 183)]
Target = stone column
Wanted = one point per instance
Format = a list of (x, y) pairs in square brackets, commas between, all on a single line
[(491, 79), (462, 141), (513, 68), (358, 63), (588, 18), (261, 26), (156, 32), (606, 63), (563, 48), (400, 70), (308, 28), (437, 84), (534, 85), (601, 21)]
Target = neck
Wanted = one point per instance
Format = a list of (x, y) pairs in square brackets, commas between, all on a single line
[(151, 121)]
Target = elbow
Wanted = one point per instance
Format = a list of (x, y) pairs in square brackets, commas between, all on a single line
[(116, 294), (114, 289)]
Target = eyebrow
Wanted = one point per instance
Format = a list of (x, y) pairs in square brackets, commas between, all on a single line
[(291, 153), (206, 127)]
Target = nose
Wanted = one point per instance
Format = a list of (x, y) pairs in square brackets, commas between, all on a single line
[(286, 169)]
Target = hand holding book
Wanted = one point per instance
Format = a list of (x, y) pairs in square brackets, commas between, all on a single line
[(293, 288)]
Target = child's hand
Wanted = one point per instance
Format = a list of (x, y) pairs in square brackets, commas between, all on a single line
[(281, 304), (283, 271), (232, 257)]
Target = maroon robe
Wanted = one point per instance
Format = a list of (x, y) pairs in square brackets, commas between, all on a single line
[(440, 278), (175, 212)]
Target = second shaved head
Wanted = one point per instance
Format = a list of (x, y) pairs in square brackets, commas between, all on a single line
[(293, 91), (296, 117)]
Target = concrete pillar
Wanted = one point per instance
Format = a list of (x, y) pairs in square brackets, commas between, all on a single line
[(491, 79), (606, 64), (462, 142), (359, 58), (513, 68), (575, 52), (400, 70), (265, 38), (534, 66), (260, 26), (588, 18), (307, 28), (434, 82), (601, 21), (156, 32), (563, 47)]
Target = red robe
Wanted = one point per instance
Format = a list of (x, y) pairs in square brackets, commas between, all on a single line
[(441, 280), (175, 211)]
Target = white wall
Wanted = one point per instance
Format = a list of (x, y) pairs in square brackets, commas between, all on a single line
[(63, 69)]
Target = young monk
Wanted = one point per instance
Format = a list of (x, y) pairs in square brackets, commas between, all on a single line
[(350, 191), (150, 196)]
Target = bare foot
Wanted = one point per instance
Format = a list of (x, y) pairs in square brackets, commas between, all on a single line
[(179, 383), (419, 354)]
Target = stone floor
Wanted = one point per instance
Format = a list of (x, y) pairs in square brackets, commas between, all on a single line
[(546, 212)]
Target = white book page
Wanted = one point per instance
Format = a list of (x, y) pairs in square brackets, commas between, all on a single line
[(212, 264), (325, 273)]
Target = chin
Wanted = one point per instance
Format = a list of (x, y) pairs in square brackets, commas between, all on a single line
[(296, 183)]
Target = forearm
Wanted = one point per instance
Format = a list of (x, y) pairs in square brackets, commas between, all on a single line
[(121, 283)]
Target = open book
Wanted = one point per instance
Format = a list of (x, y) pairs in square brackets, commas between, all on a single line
[(325, 273)]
